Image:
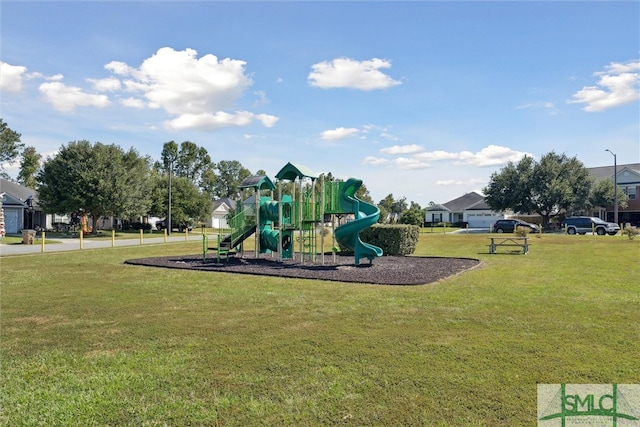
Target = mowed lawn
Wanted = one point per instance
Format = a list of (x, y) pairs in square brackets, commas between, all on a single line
[(87, 340)]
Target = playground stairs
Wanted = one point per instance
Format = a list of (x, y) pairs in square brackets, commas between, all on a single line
[(228, 243)]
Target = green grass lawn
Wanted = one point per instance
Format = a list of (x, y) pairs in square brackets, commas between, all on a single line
[(86, 340)]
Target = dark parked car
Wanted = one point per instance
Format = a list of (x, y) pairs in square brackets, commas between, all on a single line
[(510, 225), (161, 225), (587, 224)]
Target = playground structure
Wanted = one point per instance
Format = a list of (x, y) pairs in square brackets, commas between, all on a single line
[(294, 218)]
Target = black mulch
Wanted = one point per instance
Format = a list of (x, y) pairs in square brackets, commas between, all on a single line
[(386, 270)]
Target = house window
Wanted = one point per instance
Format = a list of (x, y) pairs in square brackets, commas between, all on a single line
[(631, 192), (436, 217)]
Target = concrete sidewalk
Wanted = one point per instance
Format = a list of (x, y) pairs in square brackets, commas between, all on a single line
[(73, 244)]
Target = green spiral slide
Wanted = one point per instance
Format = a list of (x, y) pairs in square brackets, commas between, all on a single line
[(366, 214)]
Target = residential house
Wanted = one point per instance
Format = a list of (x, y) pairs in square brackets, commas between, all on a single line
[(470, 208), (20, 208), (628, 178), (221, 209)]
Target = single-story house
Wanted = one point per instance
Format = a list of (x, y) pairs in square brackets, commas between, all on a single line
[(470, 208), (19, 208), (221, 209)]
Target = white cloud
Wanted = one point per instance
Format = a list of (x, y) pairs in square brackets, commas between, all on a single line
[(492, 155), (109, 84), (132, 102), (339, 133), (437, 155), (349, 73), (389, 136), (549, 107), (180, 83), (267, 120), (67, 98), (619, 84), (11, 77), (208, 121), (411, 163), (452, 182), (402, 149), (119, 68), (374, 161), (199, 92)]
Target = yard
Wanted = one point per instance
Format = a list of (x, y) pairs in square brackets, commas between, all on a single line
[(87, 340)]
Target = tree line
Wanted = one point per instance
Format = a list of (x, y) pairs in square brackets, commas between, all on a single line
[(105, 180), (102, 180)]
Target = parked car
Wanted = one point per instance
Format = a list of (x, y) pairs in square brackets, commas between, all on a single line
[(510, 225), (587, 224), (180, 226)]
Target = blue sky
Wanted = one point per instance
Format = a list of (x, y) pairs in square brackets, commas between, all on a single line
[(423, 100)]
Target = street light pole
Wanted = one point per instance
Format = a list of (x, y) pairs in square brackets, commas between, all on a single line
[(169, 210), (615, 186)]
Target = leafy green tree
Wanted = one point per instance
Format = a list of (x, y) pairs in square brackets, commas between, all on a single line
[(510, 188), (414, 215), (189, 161), (99, 179), (386, 205), (603, 195), (189, 204), (168, 157), (29, 166), (384, 215), (398, 207), (230, 174), (393, 208), (10, 146), (364, 195), (547, 187), (560, 183)]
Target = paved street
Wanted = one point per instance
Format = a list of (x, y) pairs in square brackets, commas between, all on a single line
[(73, 244)]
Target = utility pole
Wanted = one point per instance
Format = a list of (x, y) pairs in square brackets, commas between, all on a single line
[(169, 211), (615, 186)]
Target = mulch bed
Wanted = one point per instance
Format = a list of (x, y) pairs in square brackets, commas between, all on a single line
[(386, 270)]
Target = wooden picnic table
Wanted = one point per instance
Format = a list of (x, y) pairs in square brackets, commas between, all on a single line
[(520, 242)]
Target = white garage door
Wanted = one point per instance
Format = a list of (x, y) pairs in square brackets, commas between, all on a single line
[(482, 220)]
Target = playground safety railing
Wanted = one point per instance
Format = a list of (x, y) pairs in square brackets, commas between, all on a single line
[(241, 221)]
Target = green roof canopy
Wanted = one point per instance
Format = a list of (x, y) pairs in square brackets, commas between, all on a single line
[(259, 182), (292, 171)]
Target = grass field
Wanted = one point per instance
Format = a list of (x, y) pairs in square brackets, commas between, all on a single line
[(86, 340)]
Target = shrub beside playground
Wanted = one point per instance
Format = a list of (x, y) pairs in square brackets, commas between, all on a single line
[(87, 340), (394, 240)]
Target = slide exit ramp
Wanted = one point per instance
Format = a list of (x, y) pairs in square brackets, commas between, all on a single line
[(366, 215)]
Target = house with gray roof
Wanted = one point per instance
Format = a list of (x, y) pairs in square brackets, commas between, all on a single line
[(628, 179), (470, 208), (20, 208), (221, 209)]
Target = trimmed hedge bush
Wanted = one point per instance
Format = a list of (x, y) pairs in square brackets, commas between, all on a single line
[(393, 239)]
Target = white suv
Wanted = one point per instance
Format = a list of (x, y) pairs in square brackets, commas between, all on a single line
[(587, 224)]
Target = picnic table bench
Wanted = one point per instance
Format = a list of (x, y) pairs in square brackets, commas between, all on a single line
[(520, 242)]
